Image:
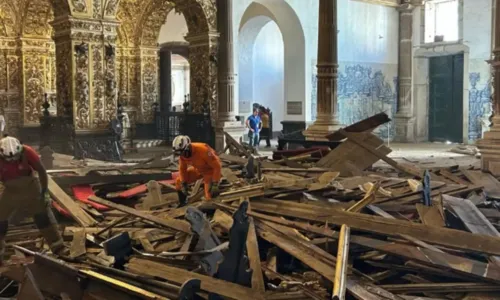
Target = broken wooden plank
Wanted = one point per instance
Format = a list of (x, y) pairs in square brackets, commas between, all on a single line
[(381, 155), (178, 225), (472, 218), (179, 276), (487, 181), (357, 158), (78, 244), (367, 124), (254, 258), (460, 287), (60, 196), (312, 256), (441, 236), (154, 197), (430, 215), (111, 179)]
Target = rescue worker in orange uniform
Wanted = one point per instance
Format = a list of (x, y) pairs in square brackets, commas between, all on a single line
[(196, 161), (25, 193)]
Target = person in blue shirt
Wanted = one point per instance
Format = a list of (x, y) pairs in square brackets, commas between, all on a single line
[(254, 124)]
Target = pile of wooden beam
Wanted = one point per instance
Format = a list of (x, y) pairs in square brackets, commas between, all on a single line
[(310, 224)]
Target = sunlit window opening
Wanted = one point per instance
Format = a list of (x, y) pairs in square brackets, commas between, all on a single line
[(441, 21)]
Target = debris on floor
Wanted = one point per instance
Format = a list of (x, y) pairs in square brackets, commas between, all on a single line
[(465, 149), (309, 224)]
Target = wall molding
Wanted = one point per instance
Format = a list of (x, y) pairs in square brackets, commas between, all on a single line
[(391, 3)]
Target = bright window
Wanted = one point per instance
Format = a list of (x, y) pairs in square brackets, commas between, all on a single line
[(441, 21)]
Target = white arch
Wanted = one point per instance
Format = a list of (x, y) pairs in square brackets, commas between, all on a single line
[(255, 17)]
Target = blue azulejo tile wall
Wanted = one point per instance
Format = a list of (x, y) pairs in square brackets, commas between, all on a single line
[(479, 103), (364, 90)]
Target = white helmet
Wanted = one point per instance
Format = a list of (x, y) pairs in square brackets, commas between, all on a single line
[(180, 143), (10, 148)]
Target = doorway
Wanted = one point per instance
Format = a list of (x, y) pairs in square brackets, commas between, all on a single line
[(446, 88)]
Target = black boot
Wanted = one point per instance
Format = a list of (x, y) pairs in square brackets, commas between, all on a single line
[(46, 223), (182, 199)]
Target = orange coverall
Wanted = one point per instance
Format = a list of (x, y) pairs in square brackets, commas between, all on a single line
[(203, 163)]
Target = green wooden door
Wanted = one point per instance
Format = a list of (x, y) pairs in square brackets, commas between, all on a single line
[(446, 98)]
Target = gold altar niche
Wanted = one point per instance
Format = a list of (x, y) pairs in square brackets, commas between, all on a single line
[(27, 61), (87, 75), (138, 53)]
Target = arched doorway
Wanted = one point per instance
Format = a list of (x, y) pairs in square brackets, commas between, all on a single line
[(141, 26), (282, 47), (261, 67), (174, 63)]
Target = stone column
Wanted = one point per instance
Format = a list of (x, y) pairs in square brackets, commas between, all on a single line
[(490, 144), (327, 117), (225, 72), (165, 79), (404, 119)]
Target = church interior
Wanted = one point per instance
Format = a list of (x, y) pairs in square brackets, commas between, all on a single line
[(250, 149)]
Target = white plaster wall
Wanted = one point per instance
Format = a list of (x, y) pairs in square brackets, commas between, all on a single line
[(305, 11), (368, 38), (475, 28), (368, 33), (477, 32), (179, 86), (268, 76), (174, 29)]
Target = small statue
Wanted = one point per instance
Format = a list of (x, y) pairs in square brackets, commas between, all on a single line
[(82, 49), (110, 51)]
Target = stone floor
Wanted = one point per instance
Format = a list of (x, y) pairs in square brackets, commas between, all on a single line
[(424, 154)]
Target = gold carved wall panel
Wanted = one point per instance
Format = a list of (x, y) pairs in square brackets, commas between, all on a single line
[(203, 72), (81, 103), (64, 84), (149, 84), (140, 26), (97, 87), (34, 87)]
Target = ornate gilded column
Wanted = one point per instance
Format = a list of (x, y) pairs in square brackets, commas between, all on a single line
[(128, 78), (490, 144), (327, 118), (37, 80), (404, 118), (148, 80), (203, 49), (37, 77), (10, 85), (225, 70), (86, 77)]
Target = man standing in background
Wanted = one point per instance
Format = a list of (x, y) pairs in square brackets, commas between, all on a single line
[(266, 130), (254, 123), (2, 126)]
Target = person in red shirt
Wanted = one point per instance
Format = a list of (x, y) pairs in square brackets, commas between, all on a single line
[(196, 161), (25, 192)]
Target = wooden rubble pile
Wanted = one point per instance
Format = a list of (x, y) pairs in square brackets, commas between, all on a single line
[(308, 224)]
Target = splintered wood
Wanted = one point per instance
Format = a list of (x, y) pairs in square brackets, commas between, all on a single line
[(314, 223)]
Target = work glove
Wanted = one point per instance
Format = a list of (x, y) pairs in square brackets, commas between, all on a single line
[(45, 197), (214, 189), (185, 188)]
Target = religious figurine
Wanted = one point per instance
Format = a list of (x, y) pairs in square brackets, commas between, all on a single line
[(82, 49), (110, 51)]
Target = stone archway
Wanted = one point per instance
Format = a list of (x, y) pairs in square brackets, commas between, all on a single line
[(138, 36), (255, 17)]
